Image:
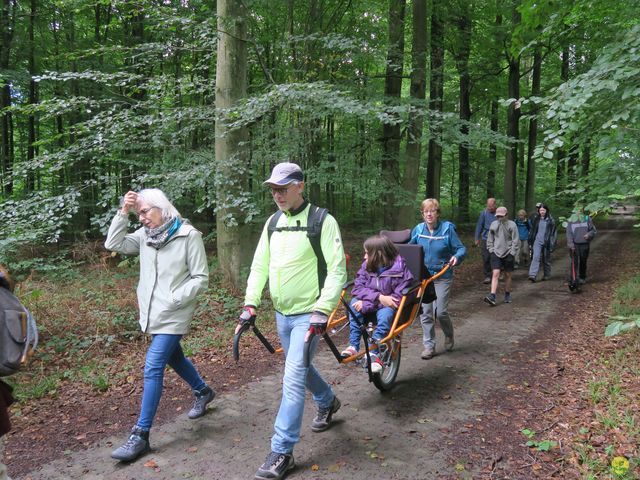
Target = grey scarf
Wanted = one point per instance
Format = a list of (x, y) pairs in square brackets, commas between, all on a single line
[(159, 236)]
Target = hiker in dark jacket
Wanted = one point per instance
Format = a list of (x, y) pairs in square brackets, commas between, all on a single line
[(485, 219), (377, 293), (542, 241), (580, 232)]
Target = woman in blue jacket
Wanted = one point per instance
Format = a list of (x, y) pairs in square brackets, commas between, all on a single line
[(441, 245)]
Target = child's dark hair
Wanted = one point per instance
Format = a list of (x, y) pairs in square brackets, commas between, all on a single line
[(381, 252)]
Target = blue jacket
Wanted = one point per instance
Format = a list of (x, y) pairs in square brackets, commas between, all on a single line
[(524, 226), (439, 246), (485, 219)]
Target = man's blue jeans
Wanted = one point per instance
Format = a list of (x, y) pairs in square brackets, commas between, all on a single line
[(164, 349), (292, 330), (384, 317)]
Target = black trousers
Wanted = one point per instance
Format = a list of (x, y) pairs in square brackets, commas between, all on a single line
[(486, 259), (580, 255)]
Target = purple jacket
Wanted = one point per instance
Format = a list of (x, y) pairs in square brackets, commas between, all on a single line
[(369, 285)]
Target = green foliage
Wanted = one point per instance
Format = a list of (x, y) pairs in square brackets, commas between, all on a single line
[(542, 445), (626, 315)]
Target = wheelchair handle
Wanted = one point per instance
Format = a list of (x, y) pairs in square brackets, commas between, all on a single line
[(249, 322)]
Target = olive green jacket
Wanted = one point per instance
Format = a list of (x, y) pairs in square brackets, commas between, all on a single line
[(170, 278)]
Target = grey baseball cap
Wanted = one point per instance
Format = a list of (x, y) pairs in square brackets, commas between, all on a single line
[(284, 173)]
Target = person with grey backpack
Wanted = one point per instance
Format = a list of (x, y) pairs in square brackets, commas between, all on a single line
[(18, 339)]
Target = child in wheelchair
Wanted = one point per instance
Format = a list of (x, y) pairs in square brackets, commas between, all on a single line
[(376, 294)]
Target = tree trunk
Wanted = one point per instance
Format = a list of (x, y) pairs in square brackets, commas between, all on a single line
[(530, 185), (418, 89), (436, 102), (33, 99), (561, 153), (7, 22), (513, 131), (231, 150), (462, 64), (586, 158), (493, 152), (391, 134)]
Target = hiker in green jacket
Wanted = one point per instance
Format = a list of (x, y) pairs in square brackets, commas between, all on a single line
[(302, 299)]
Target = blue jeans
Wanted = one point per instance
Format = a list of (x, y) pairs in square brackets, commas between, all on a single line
[(292, 330), (541, 255), (384, 317), (164, 349), (443, 291)]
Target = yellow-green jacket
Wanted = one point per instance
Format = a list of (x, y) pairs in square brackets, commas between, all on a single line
[(290, 264)]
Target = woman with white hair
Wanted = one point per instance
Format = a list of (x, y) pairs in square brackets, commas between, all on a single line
[(173, 270)]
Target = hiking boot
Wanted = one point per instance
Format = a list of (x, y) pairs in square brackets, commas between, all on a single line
[(486, 280), (448, 343), (582, 281), (507, 297), (349, 351), (275, 466), (376, 364), (491, 299), (427, 353), (203, 398), (137, 444), (532, 279), (324, 414)]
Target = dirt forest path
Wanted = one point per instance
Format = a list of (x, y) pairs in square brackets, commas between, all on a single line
[(403, 434)]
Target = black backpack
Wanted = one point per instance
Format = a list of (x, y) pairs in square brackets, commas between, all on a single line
[(18, 333), (314, 231)]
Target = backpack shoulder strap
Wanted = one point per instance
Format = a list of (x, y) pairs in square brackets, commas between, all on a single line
[(273, 222), (315, 219), (314, 233)]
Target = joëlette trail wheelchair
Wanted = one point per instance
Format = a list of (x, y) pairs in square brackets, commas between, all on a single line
[(390, 347)]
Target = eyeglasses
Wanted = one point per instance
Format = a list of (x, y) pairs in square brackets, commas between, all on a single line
[(432, 212), (144, 212), (280, 190)]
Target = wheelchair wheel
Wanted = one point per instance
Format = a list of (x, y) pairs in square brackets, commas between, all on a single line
[(391, 359)]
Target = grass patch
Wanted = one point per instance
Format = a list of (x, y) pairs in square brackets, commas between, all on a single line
[(608, 448)]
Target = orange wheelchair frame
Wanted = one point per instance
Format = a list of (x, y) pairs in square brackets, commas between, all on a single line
[(389, 348)]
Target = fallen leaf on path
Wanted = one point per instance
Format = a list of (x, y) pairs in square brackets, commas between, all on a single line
[(334, 468), (150, 464), (315, 468)]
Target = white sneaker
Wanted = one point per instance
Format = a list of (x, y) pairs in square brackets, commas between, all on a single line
[(349, 351), (376, 364)]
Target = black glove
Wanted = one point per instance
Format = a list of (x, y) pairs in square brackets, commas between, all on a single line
[(318, 322)]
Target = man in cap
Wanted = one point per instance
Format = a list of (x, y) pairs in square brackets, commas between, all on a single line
[(303, 300), (485, 219), (503, 243)]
